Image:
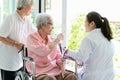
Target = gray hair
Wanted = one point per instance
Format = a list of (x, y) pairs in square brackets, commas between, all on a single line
[(24, 3), (42, 18)]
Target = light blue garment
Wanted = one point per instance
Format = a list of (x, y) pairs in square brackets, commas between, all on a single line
[(96, 52)]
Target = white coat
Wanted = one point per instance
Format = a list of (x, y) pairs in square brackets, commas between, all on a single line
[(96, 52)]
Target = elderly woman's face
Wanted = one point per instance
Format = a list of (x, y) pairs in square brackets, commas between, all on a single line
[(28, 10), (48, 27)]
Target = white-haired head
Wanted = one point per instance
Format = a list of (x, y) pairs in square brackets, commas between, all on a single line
[(24, 3), (42, 18)]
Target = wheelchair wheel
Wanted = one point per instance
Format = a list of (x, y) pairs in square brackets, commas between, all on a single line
[(23, 76)]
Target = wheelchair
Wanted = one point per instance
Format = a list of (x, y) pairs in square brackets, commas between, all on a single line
[(24, 75), (77, 65)]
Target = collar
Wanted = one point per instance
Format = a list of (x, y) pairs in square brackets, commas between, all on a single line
[(18, 16)]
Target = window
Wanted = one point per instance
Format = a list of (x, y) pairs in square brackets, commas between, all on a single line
[(9, 6), (6, 7), (54, 8)]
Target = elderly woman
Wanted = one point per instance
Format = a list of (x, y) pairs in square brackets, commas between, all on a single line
[(45, 51), (13, 32)]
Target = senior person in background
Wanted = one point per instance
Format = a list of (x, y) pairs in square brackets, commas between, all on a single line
[(96, 49), (45, 51), (13, 34)]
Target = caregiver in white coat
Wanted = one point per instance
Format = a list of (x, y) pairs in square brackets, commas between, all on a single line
[(96, 49)]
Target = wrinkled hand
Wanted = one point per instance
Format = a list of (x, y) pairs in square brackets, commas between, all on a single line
[(56, 41), (66, 51), (18, 45), (59, 38)]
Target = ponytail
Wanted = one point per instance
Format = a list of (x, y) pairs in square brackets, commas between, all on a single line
[(105, 28), (100, 22)]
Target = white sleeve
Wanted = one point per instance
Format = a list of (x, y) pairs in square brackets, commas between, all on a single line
[(82, 54), (31, 27), (5, 27)]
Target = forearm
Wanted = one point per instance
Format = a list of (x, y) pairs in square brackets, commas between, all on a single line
[(56, 41), (51, 47), (7, 41), (72, 53), (11, 42)]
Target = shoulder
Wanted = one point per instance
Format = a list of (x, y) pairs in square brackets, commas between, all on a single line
[(95, 35), (34, 36), (10, 18), (86, 41)]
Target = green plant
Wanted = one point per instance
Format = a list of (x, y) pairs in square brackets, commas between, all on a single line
[(77, 32), (116, 34)]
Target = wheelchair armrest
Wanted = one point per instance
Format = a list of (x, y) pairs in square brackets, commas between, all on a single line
[(70, 58), (29, 59)]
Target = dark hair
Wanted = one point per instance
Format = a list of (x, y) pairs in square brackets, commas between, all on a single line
[(19, 8), (100, 22)]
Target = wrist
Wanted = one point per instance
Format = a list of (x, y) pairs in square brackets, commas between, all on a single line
[(56, 41)]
